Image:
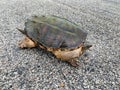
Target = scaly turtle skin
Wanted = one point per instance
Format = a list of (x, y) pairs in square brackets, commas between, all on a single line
[(63, 38)]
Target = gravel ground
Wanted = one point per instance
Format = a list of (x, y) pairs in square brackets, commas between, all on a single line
[(36, 69)]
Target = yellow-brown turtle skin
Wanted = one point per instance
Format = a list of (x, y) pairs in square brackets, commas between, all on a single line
[(57, 35)]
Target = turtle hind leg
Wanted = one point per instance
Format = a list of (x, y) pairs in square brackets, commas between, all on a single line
[(74, 62), (26, 43)]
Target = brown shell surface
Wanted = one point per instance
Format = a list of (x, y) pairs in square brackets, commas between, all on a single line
[(54, 32)]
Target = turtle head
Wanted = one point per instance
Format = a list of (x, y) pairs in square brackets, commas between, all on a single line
[(86, 47), (22, 31)]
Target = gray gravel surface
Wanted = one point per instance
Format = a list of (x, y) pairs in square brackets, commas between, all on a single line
[(36, 69)]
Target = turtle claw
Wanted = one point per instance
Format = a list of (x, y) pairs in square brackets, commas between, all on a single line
[(21, 44), (74, 62)]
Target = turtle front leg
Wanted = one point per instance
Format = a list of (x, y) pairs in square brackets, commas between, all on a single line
[(26, 43), (74, 62)]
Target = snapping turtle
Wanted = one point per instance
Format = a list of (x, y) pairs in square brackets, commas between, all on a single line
[(58, 35)]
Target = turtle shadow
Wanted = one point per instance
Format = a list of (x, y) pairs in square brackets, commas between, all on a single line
[(43, 51), (52, 58)]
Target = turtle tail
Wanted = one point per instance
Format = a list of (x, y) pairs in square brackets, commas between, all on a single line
[(86, 47), (22, 31)]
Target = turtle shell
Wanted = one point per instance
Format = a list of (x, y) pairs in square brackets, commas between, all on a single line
[(54, 32)]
